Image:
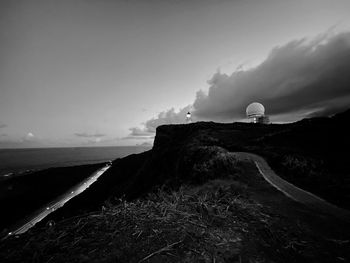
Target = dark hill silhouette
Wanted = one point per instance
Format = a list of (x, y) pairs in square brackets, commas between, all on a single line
[(191, 198), (23, 194), (311, 153)]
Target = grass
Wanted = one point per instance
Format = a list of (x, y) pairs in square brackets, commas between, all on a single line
[(214, 222), (312, 174), (190, 200)]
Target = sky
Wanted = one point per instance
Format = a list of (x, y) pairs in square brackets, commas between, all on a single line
[(108, 72)]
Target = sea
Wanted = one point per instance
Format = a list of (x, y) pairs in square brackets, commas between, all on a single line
[(17, 161)]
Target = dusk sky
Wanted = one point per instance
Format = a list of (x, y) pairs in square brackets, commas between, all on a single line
[(103, 72)]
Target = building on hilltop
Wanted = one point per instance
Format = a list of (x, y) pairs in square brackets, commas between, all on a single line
[(188, 117), (256, 113)]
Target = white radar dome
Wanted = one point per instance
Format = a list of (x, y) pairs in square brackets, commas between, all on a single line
[(255, 109)]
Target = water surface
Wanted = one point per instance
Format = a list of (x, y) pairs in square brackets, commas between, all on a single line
[(19, 160)]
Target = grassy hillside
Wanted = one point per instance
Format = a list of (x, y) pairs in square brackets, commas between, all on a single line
[(311, 154), (152, 205), (238, 218)]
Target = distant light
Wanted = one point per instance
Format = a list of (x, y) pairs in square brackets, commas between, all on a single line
[(72, 192), (188, 117), (10, 233), (47, 208), (51, 223)]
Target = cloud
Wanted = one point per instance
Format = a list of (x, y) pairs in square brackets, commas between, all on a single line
[(147, 144), (303, 78), (21, 143), (3, 126), (135, 131), (87, 135), (139, 134), (28, 137), (166, 117), (130, 137), (308, 77), (26, 141)]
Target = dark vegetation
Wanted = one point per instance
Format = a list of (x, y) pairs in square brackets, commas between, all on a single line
[(23, 194), (219, 221), (149, 206), (312, 154)]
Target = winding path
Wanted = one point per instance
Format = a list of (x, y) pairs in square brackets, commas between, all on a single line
[(294, 192)]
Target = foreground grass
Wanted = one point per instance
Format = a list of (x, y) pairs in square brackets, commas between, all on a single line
[(216, 222)]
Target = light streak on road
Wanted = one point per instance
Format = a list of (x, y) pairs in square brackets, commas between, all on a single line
[(60, 201)]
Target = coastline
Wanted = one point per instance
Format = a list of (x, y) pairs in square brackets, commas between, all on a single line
[(23, 192), (23, 161)]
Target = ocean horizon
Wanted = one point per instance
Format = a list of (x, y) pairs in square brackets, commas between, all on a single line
[(14, 161)]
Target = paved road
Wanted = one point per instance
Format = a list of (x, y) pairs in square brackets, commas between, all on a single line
[(294, 192), (59, 202)]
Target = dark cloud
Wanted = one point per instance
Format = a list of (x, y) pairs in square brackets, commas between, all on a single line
[(310, 77), (87, 135), (303, 78), (3, 126)]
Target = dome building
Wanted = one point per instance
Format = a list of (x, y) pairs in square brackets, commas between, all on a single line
[(256, 113)]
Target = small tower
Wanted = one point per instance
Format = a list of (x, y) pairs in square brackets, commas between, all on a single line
[(188, 117)]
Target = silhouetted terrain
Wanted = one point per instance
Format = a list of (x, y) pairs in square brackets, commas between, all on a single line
[(312, 154), (23, 194), (188, 194)]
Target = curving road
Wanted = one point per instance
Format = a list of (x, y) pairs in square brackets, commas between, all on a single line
[(294, 192), (59, 202)]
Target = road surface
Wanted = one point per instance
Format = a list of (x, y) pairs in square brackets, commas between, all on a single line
[(293, 192), (59, 202)]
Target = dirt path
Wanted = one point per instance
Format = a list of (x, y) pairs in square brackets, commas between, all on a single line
[(293, 192)]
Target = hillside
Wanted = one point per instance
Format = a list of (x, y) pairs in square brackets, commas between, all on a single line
[(190, 198), (311, 154), (23, 194)]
